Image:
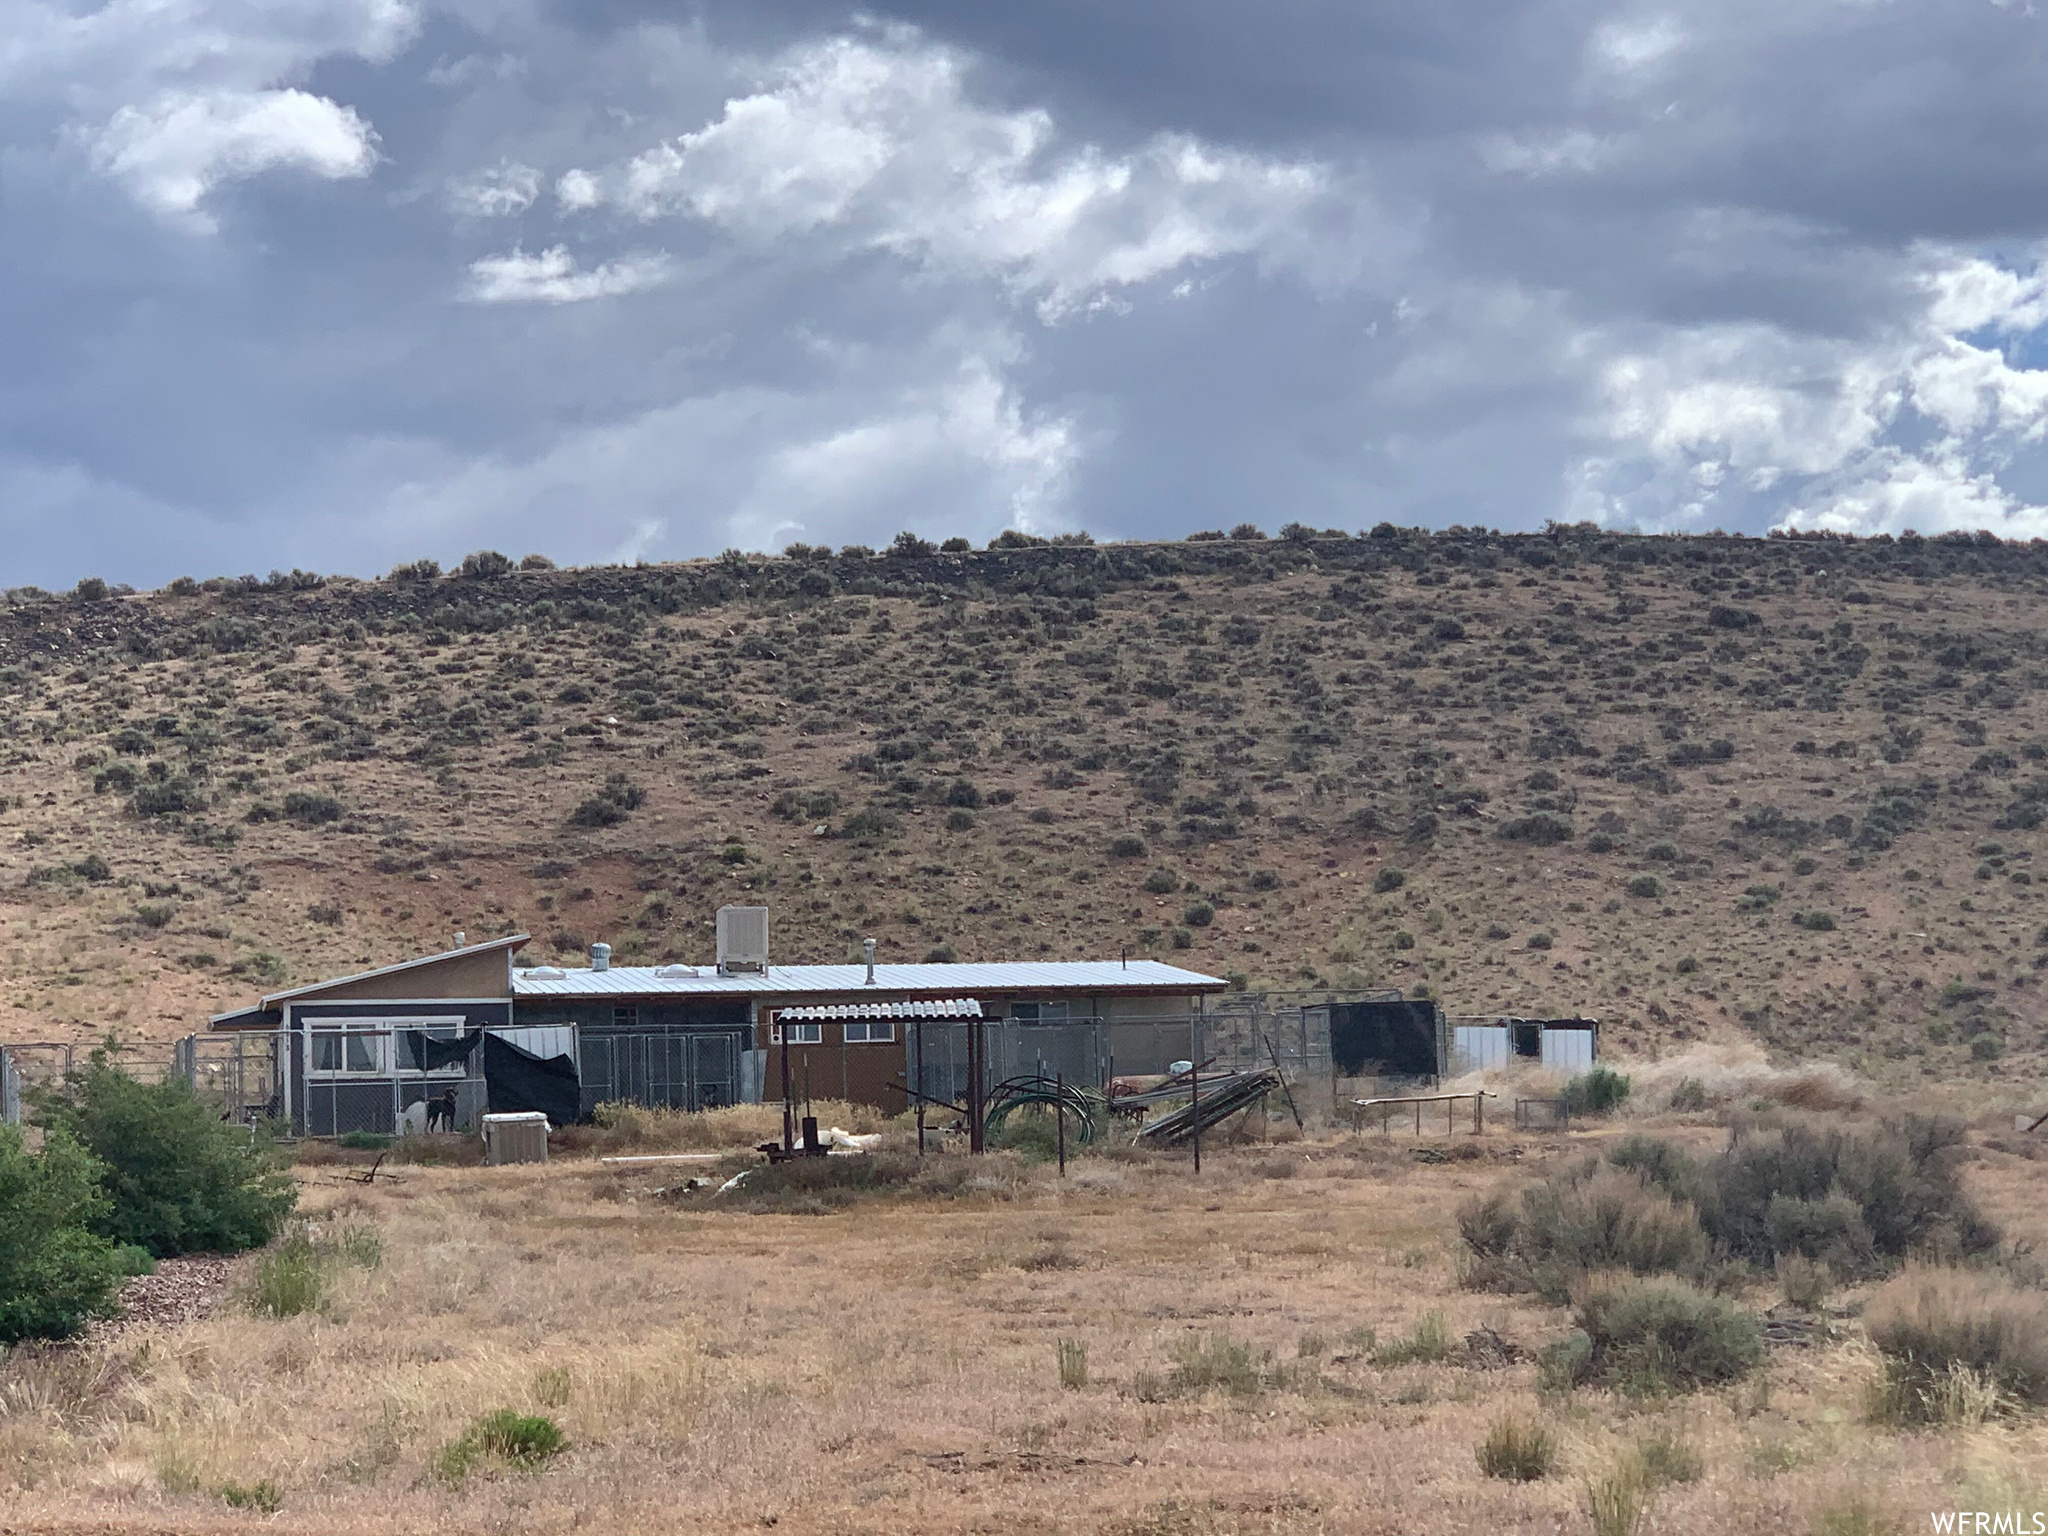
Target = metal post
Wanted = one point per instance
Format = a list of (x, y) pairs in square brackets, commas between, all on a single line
[(917, 1030), (1478, 1113), (977, 1139), (1195, 1083), (788, 1126), (1060, 1112)]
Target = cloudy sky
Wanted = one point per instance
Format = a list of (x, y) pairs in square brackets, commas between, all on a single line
[(338, 283)]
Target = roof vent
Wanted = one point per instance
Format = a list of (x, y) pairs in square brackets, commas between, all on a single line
[(600, 957), (675, 972), (742, 940), (546, 973), (867, 948), (461, 940)]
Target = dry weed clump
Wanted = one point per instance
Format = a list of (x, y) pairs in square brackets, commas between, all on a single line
[(1734, 1076), (1518, 1449), (816, 1186), (1959, 1346)]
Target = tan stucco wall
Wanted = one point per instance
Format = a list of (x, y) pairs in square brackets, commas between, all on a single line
[(485, 974)]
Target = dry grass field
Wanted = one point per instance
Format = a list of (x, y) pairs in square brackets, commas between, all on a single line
[(894, 1365)]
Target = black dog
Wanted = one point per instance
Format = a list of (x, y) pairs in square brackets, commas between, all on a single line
[(441, 1112)]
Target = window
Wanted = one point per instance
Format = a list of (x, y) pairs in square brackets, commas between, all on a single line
[(799, 1034), (1040, 1013), (869, 1032), (338, 1052), (625, 1018)]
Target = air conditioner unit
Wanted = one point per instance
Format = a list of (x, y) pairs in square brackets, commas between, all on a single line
[(742, 940)]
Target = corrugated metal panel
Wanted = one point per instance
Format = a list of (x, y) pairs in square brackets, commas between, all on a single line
[(1567, 1048), (946, 980), (957, 1008), (541, 1039), (1478, 1048)]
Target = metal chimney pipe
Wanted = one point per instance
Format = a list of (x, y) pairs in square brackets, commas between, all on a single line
[(600, 957), (461, 940), (867, 948)]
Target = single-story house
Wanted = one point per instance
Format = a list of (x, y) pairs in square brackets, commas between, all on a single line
[(356, 1052)]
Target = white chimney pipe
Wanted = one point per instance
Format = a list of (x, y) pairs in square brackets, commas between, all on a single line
[(600, 957), (461, 939), (867, 947)]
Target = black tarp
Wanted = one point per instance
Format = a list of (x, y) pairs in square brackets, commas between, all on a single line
[(430, 1052), (1392, 1039), (518, 1080)]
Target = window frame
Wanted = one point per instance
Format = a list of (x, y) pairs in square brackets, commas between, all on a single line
[(807, 1032), (868, 1035), (380, 1033)]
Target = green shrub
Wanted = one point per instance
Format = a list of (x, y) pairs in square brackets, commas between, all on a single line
[(1612, 1219), (1687, 965), (612, 804), (958, 820), (1517, 1449), (1162, 882), (1616, 1503), (1814, 922), (1429, 1343), (312, 810), (1956, 1345), (1666, 1458), (295, 1276), (1654, 1336), (1389, 879), (289, 1280), (1403, 939), (1599, 1091), (525, 1441), (1787, 1186), (1540, 941), (179, 1179), (1127, 847), (1200, 1364), (1199, 914), (1646, 886), (1073, 1362), (1542, 830), (263, 1496), (56, 1273)]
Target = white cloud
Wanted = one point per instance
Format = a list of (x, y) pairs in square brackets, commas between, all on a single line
[(553, 277), (174, 98), (176, 150), (577, 191), (865, 144), (1858, 435), (1632, 45), (497, 193)]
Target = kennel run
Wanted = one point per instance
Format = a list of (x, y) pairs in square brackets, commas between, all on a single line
[(357, 1053)]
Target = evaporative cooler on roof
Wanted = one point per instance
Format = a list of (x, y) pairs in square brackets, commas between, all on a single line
[(742, 940)]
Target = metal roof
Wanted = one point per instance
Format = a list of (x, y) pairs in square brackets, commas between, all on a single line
[(934, 980), (510, 941), (954, 1008)]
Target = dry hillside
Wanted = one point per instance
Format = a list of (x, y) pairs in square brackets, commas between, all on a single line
[(1687, 785)]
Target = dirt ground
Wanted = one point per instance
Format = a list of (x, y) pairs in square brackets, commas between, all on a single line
[(895, 1367)]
